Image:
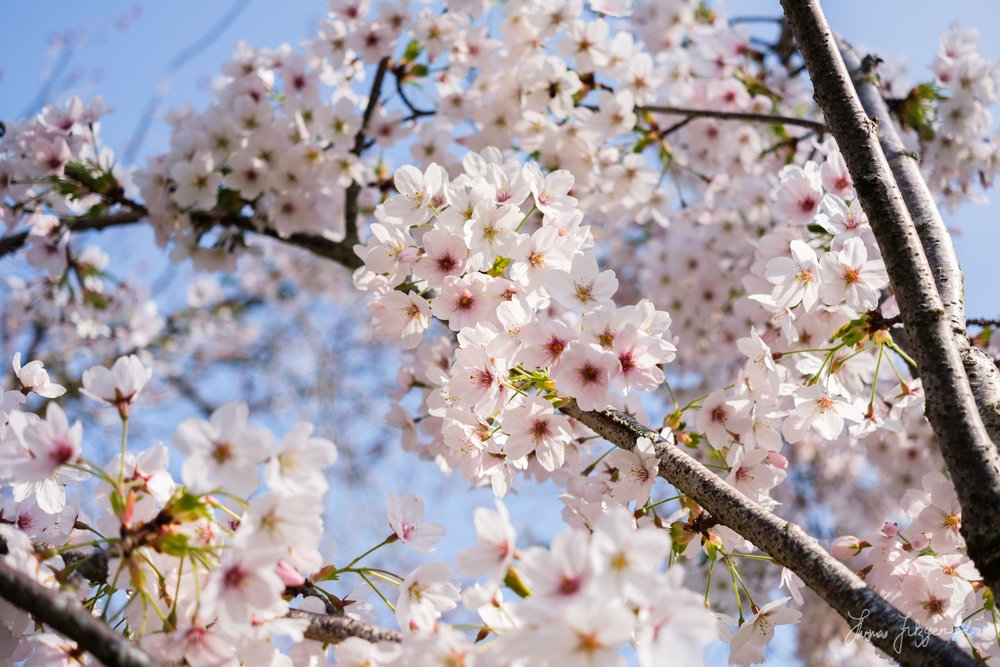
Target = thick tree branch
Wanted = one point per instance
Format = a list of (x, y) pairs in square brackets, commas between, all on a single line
[(64, 614), (950, 404), (760, 118), (889, 629), (335, 629), (984, 378)]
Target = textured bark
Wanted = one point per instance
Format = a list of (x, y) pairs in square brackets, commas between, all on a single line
[(984, 378), (335, 629), (887, 628), (950, 404), (64, 614)]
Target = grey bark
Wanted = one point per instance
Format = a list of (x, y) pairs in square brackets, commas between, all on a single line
[(64, 614), (951, 407)]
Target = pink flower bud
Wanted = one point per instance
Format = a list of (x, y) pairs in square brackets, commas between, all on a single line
[(845, 547), (288, 574), (890, 529)]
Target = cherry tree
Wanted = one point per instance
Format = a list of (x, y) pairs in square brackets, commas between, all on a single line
[(694, 283)]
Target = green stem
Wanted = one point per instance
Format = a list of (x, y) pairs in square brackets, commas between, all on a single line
[(391, 538)]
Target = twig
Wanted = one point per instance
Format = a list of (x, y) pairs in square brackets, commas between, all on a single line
[(64, 614), (983, 322), (886, 627), (767, 119), (950, 405)]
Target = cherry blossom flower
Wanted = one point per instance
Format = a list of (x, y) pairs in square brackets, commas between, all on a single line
[(40, 469), (583, 287), (585, 372), (748, 644), (795, 278), (243, 587), (849, 275), (222, 452), (406, 518), (424, 595), (402, 316), (494, 552), (33, 377), (636, 471), (536, 427), (119, 386), (817, 409)]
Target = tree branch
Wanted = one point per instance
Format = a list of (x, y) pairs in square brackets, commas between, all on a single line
[(766, 119), (950, 404), (335, 629), (984, 378), (12, 243), (886, 627), (64, 614), (354, 190)]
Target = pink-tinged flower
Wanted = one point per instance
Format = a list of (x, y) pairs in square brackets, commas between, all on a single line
[(243, 587), (717, 419), (848, 275), (940, 518), (754, 472), (34, 377), (544, 343), (476, 380), (424, 595), (491, 233), (41, 470), (563, 572), (444, 256), (534, 255), (286, 527), (493, 554), (795, 278), (799, 194), (357, 652), (119, 386), (584, 372), (933, 598), (406, 518), (748, 644), (817, 409), (589, 634), (847, 546), (536, 427), (195, 645), (582, 288), (417, 193), (640, 357), (401, 316), (636, 471), (835, 176), (463, 302), (550, 191), (222, 453), (677, 628)]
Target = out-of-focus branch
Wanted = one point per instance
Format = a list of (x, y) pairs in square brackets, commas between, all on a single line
[(132, 212), (354, 190), (890, 630), (984, 378), (64, 614), (12, 243), (951, 407), (759, 118)]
